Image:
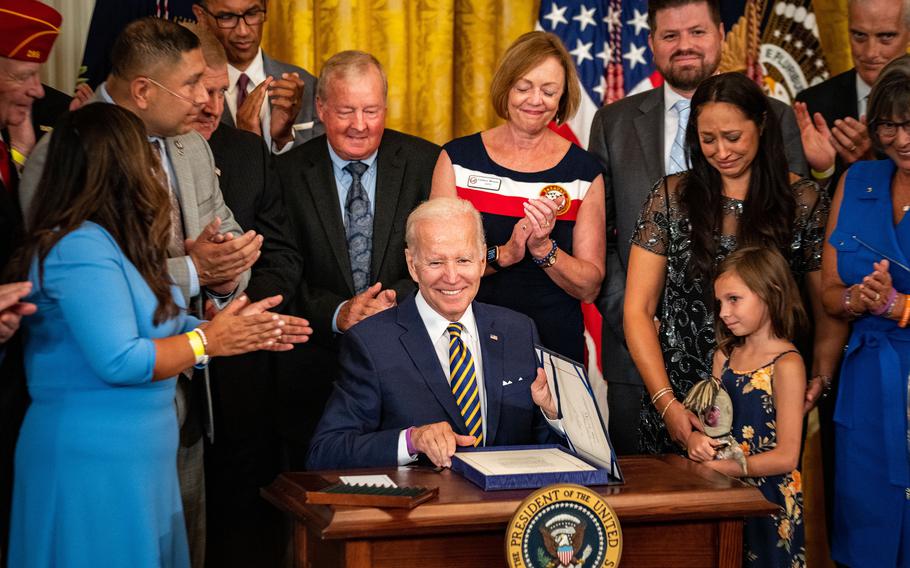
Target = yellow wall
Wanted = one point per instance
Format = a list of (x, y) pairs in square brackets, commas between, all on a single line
[(440, 54)]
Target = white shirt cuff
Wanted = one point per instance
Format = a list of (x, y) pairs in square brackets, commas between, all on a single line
[(404, 458), (194, 277), (554, 424), (335, 317), (276, 150)]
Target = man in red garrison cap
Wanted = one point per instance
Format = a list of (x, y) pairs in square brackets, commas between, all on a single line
[(28, 29), (27, 32)]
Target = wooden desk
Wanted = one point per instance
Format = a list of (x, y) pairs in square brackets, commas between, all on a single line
[(672, 511)]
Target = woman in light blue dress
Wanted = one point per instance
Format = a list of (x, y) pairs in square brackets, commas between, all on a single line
[(866, 276), (95, 467)]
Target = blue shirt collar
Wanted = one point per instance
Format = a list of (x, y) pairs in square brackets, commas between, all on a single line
[(339, 163)]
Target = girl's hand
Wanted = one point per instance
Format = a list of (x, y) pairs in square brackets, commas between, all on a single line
[(700, 447), (513, 251), (876, 287), (680, 423), (242, 327), (541, 214)]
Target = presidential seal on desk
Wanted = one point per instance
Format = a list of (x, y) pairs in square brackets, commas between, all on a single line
[(564, 526)]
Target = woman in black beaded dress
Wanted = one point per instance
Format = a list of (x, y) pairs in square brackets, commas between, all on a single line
[(737, 192)]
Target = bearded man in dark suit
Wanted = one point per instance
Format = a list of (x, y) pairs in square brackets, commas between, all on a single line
[(348, 194)]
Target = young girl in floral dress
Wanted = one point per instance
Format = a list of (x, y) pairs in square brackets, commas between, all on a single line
[(760, 311)]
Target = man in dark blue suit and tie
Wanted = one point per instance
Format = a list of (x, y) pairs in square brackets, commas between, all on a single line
[(438, 370)]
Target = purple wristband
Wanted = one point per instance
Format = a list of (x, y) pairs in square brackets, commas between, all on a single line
[(407, 440), (889, 304)]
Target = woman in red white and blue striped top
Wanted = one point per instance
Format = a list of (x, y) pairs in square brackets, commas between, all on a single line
[(541, 197)]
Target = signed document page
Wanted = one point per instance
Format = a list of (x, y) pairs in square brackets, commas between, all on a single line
[(580, 417), (520, 462)]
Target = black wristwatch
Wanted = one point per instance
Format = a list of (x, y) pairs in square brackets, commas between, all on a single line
[(493, 258)]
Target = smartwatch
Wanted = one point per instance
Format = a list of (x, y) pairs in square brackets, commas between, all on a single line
[(493, 258)]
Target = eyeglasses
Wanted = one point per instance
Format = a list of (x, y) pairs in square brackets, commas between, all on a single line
[(228, 20), (888, 128), (178, 95)]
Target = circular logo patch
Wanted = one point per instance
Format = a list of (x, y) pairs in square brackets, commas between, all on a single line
[(559, 195), (564, 526)]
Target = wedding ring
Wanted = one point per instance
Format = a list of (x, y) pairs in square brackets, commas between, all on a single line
[(852, 147), (878, 296), (545, 225)]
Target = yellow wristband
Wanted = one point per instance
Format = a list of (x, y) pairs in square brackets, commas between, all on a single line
[(18, 156), (196, 345), (822, 175)]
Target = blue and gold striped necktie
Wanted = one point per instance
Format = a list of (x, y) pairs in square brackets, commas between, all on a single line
[(463, 380)]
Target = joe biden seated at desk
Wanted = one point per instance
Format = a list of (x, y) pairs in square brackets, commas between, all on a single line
[(439, 370)]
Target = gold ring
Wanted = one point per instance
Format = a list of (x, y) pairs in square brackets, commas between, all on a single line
[(878, 296), (852, 147)]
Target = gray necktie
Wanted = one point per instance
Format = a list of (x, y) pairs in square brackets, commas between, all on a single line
[(677, 151), (358, 222), (175, 247)]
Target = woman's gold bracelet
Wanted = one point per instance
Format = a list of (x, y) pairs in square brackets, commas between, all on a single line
[(657, 396), (666, 408)]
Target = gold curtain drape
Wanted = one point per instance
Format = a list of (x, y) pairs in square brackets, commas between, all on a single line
[(440, 54)]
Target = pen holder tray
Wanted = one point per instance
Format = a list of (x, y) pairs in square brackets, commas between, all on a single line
[(361, 495)]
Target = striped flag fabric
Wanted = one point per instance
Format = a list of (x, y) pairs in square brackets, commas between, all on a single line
[(608, 41)]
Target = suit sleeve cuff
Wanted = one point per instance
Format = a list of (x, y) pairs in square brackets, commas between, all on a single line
[(194, 277), (404, 457), (220, 300)]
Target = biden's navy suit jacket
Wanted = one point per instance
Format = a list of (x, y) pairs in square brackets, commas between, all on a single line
[(391, 380)]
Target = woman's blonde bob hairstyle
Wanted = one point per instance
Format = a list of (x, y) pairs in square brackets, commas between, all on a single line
[(529, 51)]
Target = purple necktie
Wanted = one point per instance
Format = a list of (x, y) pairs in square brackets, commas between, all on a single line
[(242, 83)]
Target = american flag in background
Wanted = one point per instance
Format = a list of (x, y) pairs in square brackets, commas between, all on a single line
[(608, 40)]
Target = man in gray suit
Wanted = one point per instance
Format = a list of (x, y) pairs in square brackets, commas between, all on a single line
[(633, 138), (156, 73), (289, 118)]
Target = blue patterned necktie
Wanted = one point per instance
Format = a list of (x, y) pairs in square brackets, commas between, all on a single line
[(463, 380), (358, 223), (678, 150)]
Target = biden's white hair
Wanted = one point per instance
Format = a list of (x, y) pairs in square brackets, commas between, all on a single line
[(439, 209)]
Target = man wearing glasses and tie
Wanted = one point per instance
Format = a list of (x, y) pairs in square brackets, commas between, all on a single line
[(289, 118)]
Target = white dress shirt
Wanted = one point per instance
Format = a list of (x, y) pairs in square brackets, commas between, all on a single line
[(671, 122), (256, 73)]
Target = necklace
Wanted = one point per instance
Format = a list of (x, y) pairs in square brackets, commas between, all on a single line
[(732, 205)]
